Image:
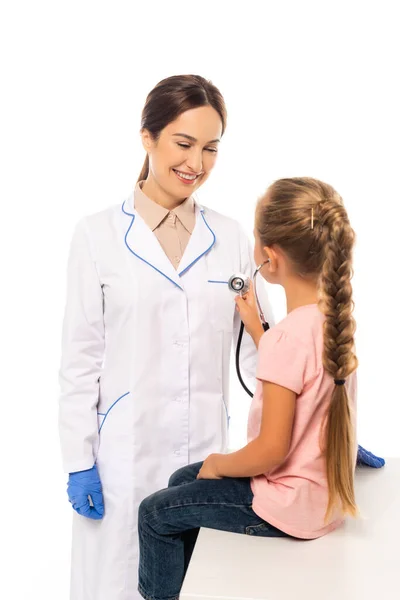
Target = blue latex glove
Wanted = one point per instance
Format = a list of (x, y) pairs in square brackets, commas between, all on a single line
[(366, 458), (81, 485)]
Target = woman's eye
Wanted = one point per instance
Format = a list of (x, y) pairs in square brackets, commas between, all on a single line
[(183, 145), (214, 150)]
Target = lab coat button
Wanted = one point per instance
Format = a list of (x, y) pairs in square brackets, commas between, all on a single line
[(176, 452)]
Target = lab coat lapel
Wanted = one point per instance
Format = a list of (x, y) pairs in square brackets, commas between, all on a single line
[(201, 241), (144, 246)]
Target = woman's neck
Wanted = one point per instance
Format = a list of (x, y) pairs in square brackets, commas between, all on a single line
[(153, 191)]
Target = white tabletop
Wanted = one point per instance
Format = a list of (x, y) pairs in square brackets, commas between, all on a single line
[(359, 561)]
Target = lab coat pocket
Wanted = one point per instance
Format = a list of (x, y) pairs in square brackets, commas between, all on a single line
[(221, 301), (104, 415), (114, 421)]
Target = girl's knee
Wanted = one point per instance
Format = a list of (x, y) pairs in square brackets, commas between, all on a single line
[(148, 505), (143, 509), (185, 474), (177, 477)]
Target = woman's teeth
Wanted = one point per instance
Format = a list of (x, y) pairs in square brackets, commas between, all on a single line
[(185, 176)]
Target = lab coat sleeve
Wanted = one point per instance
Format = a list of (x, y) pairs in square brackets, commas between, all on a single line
[(82, 356), (248, 350)]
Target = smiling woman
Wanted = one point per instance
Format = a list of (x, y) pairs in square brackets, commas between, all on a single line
[(179, 159), (183, 121), (148, 337), (197, 147)]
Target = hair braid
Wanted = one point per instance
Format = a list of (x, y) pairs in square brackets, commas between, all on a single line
[(339, 359)]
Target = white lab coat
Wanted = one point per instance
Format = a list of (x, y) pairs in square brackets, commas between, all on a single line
[(144, 373)]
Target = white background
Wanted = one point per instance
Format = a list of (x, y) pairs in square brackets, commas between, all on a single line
[(311, 89)]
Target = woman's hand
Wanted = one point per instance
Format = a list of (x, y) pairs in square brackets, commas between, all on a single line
[(248, 310), (209, 469)]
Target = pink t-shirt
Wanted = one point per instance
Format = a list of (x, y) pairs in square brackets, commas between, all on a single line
[(294, 496)]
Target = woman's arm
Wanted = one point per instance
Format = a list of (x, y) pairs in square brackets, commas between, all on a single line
[(82, 356)]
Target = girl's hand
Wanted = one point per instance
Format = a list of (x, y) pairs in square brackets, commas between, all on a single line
[(209, 468), (248, 310)]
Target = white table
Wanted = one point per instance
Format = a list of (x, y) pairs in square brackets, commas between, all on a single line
[(359, 561)]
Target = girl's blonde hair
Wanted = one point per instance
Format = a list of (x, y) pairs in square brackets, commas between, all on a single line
[(307, 220)]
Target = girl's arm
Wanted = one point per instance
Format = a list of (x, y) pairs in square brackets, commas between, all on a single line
[(248, 351), (271, 447)]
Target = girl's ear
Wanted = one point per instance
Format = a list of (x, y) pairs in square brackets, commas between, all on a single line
[(272, 257)]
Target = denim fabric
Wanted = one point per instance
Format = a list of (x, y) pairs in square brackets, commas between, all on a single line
[(169, 522)]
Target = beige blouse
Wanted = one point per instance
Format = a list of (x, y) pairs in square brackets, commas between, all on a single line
[(172, 228)]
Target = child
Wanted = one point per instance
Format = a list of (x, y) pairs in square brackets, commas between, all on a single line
[(295, 477)]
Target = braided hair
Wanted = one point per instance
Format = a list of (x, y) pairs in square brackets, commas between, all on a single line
[(307, 220)]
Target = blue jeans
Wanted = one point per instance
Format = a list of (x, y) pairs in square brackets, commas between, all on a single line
[(169, 522)]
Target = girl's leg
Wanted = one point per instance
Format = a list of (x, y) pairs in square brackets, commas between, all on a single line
[(223, 504), (185, 474)]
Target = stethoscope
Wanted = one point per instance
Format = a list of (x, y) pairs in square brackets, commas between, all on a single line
[(241, 284)]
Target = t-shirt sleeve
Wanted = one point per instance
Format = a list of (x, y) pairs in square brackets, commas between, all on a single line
[(282, 360)]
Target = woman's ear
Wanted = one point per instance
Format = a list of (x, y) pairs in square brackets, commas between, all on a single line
[(147, 140)]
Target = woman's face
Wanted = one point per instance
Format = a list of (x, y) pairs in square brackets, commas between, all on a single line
[(185, 153)]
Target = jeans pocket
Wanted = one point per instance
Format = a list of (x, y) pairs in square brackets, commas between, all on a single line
[(264, 529)]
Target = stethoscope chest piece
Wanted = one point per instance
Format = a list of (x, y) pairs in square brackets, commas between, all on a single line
[(239, 283)]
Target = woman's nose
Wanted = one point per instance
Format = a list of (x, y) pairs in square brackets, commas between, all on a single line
[(195, 161)]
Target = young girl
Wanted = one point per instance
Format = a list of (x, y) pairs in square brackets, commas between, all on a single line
[(295, 476)]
